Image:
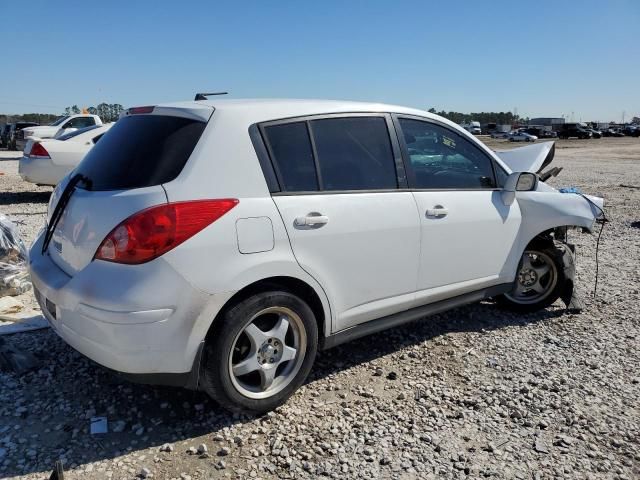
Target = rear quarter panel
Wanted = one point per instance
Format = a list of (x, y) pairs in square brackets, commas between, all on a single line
[(224, 165)]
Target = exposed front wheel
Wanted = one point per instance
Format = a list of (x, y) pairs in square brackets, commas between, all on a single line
[(539, 281), (260, 352)]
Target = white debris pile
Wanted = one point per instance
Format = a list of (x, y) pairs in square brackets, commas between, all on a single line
[(14, 277)]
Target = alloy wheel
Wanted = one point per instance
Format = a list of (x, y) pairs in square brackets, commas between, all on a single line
[(267, 353), (536, 278)]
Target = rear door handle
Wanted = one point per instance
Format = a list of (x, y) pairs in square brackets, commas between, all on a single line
[(437, 211), (312, 219)]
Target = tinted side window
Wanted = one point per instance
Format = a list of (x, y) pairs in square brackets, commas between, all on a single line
[(293, 157), (441, 158), (354, 153)]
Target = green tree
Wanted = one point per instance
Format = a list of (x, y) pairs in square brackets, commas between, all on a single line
[(103, 111), (117, 110)]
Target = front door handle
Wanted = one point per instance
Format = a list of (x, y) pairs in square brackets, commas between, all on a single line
[(311, 220), (437, 211)]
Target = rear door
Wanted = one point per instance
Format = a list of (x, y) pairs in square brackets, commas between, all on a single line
[(126, 169), (467, 231), (350, 225)]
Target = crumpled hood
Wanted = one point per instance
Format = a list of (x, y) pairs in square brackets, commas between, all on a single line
[(532, 158)]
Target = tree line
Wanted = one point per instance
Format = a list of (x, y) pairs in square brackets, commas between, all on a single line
[(500, 118), (108, 112), (41, 118)]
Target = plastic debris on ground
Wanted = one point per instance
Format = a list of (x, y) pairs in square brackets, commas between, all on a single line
[(99, 425), (570, 190), (15, 317), (14, 276)]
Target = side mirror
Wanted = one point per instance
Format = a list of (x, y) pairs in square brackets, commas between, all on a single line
[(518, 182)]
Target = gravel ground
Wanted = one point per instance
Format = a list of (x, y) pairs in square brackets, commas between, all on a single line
[(472, 393)]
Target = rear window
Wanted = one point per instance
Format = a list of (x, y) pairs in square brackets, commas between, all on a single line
[(141, 151)]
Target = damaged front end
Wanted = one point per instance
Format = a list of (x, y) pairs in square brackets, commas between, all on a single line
[(547, 213)]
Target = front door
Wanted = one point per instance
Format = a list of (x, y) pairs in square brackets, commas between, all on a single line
[(467, 231)]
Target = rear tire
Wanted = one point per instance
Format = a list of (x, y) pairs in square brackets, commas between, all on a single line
[(260, 352), (539, 281)]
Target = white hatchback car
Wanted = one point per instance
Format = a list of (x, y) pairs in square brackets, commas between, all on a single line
[(219, 244)]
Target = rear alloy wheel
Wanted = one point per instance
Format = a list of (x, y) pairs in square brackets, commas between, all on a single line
[(261, 352), (539, 280), (261, 363)]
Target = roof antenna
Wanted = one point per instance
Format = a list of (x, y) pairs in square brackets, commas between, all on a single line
[(203, 96)]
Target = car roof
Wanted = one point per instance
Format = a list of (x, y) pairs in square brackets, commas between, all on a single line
[(263, 109)]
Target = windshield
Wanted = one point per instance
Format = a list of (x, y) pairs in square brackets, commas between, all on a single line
[(67, 136), (58, 121)]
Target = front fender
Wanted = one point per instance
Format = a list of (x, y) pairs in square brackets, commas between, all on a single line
[(543, 210), (548, 209)]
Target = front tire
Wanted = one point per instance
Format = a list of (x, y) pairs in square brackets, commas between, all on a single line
[(539, 282), (260, 352)]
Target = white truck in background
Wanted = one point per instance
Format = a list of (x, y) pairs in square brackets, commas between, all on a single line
[(61, 126), (472, 127)]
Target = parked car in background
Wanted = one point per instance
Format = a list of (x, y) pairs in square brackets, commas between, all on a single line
[(219, 244), (61, 126), (574, 131), (499, 134), (473, 127), (612, 132), (594, 133), (631, 131), (540, 132), (15, 129), (521, 136), (47, 161), (4, 135)]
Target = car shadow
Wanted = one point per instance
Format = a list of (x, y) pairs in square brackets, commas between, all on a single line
[(13, 198), (63, 394), (480, 317)]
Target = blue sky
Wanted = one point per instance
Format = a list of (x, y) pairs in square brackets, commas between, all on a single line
[(542, 57)]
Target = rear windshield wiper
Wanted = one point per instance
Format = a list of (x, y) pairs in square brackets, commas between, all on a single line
[(62, 204)]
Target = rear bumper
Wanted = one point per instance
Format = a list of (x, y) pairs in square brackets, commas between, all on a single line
[(41, 171), (144, 320)]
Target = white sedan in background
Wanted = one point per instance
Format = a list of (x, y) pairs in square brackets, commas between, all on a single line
[(522, 137), (47, 161), (499, 134)]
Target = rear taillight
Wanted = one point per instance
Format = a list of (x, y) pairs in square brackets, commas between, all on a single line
[(38, 151), (153, 232)]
